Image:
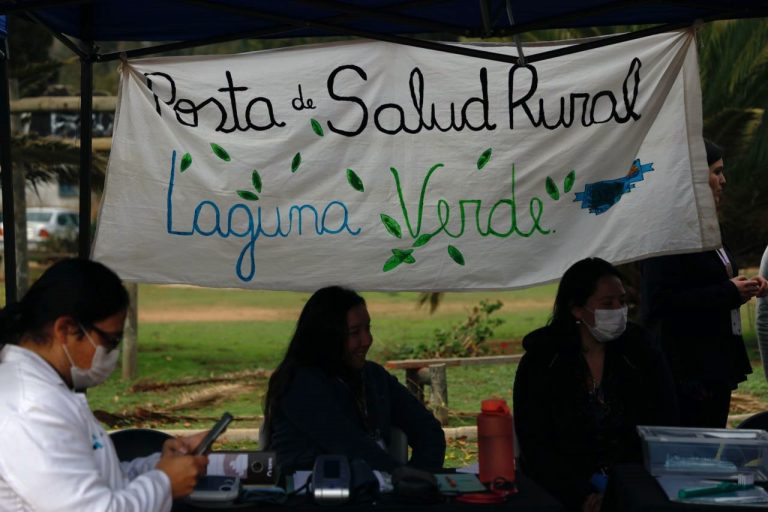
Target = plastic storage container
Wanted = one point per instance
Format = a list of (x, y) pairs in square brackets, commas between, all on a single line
[(705, 452), (495, 442)]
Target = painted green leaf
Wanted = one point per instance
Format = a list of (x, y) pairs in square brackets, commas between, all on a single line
[(484, 158), (392, 225), (552, 189), (220, 152), (256, 180), (391, 263), (409, 259), (403, 254), (296, 162), (186, 161), (316, 127), (569, 181), (247, 195), (423, 239), (355, 180), (455, 255)]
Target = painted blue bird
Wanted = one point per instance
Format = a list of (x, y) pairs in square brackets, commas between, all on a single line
[(601, 195)]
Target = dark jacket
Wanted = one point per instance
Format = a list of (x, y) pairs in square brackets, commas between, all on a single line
[(562, 441), (318, 414), (687, 302)]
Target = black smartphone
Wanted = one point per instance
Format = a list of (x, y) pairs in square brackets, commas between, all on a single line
[(214, 433)]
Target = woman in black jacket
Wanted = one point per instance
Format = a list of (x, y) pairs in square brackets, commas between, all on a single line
[(691, 307), (584, 384), (325, 398)]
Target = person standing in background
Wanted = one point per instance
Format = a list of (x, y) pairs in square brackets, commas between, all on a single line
[(762, 317), (690, 303)]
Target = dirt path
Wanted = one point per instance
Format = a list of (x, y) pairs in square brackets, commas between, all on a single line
[(256, 314), (215, 314)]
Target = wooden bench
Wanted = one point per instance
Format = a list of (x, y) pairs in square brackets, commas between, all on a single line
[(432, 372)]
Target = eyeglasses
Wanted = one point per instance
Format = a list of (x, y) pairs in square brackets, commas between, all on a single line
[(111, 340)]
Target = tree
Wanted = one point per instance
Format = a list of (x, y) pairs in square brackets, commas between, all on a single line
[(29, 47)]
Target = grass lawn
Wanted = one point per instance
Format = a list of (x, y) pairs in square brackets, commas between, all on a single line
[(183, 339), (171, 349)]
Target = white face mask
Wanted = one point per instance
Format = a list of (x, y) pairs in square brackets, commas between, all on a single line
[(102, 366), (609, 324)]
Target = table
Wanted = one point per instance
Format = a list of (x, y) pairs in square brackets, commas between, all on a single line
[(632, 489), (530, 498)]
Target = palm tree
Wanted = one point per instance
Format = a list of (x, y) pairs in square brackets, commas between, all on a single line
[(42, 160)]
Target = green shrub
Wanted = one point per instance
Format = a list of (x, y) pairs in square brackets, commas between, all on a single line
[(464, 339)]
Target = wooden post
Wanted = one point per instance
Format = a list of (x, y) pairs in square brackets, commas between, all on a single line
[(20, 222), (20, 210), (86, 147), (412, 383), (439, 397), (131, 338), (6, 177)]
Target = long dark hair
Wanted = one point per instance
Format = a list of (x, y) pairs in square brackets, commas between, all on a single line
[(83, 289), (576, 286), (318, 341)]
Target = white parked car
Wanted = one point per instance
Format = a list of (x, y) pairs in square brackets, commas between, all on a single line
[(46, 223)]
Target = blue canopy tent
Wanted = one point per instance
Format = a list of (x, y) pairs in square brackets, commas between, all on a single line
[(177, 24)]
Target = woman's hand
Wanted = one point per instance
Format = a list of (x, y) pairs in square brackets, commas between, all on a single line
[(593, 503), (183, 445), (762, 285), (183, 470), (748, 288)]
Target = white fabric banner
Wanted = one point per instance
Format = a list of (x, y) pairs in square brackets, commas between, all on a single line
[(385, 167)]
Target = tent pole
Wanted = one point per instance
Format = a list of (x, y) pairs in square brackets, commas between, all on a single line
[(485, 16), (9, 238), (516, 37), (86, 131), (86, 136)]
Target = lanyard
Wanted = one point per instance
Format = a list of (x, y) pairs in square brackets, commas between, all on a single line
[(735, 313), (727, 262)]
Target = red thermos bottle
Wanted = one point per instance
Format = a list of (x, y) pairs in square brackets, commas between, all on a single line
[(495, 442)]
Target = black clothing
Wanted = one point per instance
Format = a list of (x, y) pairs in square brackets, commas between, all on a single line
[(568, 430), (687, 301), (320, 414), (705, 405)]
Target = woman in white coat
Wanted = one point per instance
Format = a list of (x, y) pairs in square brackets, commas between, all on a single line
[(54, 455)]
